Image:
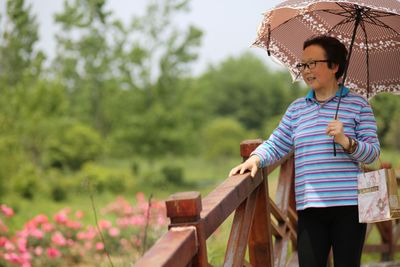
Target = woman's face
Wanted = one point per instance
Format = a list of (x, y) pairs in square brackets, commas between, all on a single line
[(320, 77)]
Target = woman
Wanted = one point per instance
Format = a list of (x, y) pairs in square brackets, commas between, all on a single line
[(325, 185)]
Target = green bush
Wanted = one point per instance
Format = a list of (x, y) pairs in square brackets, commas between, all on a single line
[(73, 145), (11, 160), (173, 174), (58, 193), (135, 167), (59, 185), (26, 181), (392, 139), (102, 179), (222, 137), (152, 178)]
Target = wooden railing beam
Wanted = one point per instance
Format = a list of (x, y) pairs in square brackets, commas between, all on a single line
[(184, 209), (281, 250), (239, 236), (176, 248), (226, 198), (260, 240)]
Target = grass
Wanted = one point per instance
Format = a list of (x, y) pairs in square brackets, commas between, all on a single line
[(198, 175)]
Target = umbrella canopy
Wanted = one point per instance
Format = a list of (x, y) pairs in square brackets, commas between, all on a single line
[(369, 29)]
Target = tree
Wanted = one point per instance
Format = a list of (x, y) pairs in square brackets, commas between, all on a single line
[(245, 89), (19, 59), (117, 77), (20, 69), (385, 107), (83, 63)]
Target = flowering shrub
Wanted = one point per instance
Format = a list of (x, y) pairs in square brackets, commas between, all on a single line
[(63, 240)]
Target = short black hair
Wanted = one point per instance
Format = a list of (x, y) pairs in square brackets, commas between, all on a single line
[(335, 51)]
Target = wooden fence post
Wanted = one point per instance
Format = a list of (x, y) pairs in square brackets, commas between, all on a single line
[(260, 239), (184, 209)]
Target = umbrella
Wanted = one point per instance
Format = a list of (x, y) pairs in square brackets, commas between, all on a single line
[(369, 28)]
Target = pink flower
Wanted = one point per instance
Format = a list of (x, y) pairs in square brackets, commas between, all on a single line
[(3, 241), (113, 232), (47, 227), (41, 219), (61, 218), (140, 197), (21, 243), (36, 221), (38, 251), (137, 220), (58, 239), (3, 227), (7, 211), (99, 246), (79, 214), (37, 233), (89, 234), (81, 235), (12, 257), (25, 259), (105, 224), (73, 224), (9, 245), (53, 253)]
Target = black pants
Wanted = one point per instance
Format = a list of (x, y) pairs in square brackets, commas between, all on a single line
[(320, 229)]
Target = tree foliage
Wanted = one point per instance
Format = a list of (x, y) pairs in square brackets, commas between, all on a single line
[(244, 88), (19, 59), (118, 90)]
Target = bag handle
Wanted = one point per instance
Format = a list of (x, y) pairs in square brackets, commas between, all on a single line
[(382, 165)]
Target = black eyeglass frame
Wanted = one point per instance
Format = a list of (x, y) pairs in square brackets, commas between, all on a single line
[(302, 66)]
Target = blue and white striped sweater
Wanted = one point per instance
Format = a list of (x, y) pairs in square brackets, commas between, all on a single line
[(322, 180)]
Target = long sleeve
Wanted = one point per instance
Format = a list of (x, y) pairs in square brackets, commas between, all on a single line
[(279, 144), (368, 148)]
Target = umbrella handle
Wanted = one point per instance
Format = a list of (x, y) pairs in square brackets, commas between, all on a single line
[(334, 148), (336, 116), (356, 24)]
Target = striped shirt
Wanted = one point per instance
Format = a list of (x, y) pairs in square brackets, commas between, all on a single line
[(321, 179)]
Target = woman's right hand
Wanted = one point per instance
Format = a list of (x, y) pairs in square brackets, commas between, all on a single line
[(251, 164)]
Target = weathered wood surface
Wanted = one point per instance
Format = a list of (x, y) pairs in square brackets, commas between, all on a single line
[(174, 248)]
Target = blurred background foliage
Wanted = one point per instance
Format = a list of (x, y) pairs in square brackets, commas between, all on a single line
[(118, 105), (117, 110)]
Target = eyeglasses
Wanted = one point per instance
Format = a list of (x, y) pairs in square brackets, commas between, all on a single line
[(310, 65)]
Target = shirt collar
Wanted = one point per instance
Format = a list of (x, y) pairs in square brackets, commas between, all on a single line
[(311, 94)]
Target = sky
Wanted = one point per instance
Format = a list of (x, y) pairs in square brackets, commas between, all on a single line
[(229, 26)]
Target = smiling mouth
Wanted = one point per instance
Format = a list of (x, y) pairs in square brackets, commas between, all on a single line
[(310, 79)]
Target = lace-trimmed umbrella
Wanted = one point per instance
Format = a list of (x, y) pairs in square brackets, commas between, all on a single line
[(369, 28)]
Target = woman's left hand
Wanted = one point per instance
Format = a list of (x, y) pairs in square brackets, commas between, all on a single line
[(335, 129)]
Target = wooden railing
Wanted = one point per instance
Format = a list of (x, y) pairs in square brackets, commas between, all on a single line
[(266, 227)]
